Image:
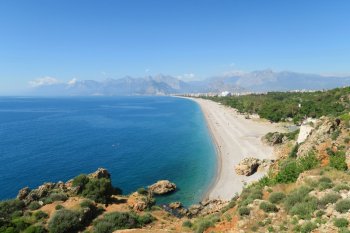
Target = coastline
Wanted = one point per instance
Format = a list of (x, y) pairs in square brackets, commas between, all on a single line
[(235, 138)]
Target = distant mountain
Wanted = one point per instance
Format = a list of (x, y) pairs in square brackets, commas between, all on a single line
[(257, 81)]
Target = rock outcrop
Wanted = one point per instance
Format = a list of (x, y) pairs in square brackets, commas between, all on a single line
[(274, 138), (247, 166), (100, 173), (206, 207), (140, 202), (162, 187), (23, 193)]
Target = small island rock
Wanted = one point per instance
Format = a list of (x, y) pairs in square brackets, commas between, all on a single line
[(162, 187)]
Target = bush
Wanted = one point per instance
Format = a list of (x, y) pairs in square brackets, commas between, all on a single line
[(276, 197), (34, 205), (308, 162), (58, 207), (64, 221), (288, 172), (187, 224), (244, 211), (329, 198), (268, 207), (341, 222), (308, 227), (249, 194), (338, 161), (201, 224), (40, 215), (35, 229), (98, 190), (80, 181), (300, 203), (9, 208), (142, 191), (342, 206), (294, 151), (340, 187), (58, 197), (320, 213), (121, 220)]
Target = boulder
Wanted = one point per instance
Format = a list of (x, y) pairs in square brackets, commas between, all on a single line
[(140, 202), (162, 187), (23, 193), (247, 166), (274, 138), (175, 205)]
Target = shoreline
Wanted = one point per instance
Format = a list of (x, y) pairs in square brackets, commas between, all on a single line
[(235, 138)]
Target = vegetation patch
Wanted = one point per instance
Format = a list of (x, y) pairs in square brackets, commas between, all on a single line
[(121, 220)]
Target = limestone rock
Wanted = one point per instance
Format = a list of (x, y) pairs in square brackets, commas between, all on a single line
[(162, 187), (274, 138), (175, 205), (23, 193), (247, 166), (140, 202), (100, 173)]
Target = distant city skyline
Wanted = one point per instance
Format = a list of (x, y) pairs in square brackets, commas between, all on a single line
[(68, 40)]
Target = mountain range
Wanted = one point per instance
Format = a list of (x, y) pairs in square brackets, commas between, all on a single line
[(256, 81)]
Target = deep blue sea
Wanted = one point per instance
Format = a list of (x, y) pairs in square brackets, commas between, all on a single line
[(138, 139)]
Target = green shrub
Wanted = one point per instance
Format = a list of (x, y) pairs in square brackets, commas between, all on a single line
[(243, 211), (320, 213), (294, 151), (98, 190), (58, 207), (341, 222), (329, 198), (187, 224), (201, 224), (47, 200), (300, 203), (142, 191), (342, 206), (121, 220), (9, 208), (308, 162), (58, 197), (35, 229), (80, 181), (64, 221), (40, 215), (268, 207), (249, 194), (276, 197), (20, 224), (340, 187), (338, 161), (308, 227), (288, 172), (335, 134), (323, 186), (34, 205)]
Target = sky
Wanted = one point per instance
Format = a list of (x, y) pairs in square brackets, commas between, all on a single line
[(86, 39)]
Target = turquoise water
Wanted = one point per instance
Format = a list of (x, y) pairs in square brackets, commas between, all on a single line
[(138, 139)]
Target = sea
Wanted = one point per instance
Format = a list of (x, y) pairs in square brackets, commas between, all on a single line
[(139, 139)]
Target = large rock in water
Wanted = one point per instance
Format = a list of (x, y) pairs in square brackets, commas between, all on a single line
[(247, 166), (162, 187)]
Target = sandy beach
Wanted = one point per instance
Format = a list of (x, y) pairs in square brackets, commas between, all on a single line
[(236, 138)]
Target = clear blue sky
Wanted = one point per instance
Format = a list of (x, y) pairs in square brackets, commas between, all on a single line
[(110, 39)]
